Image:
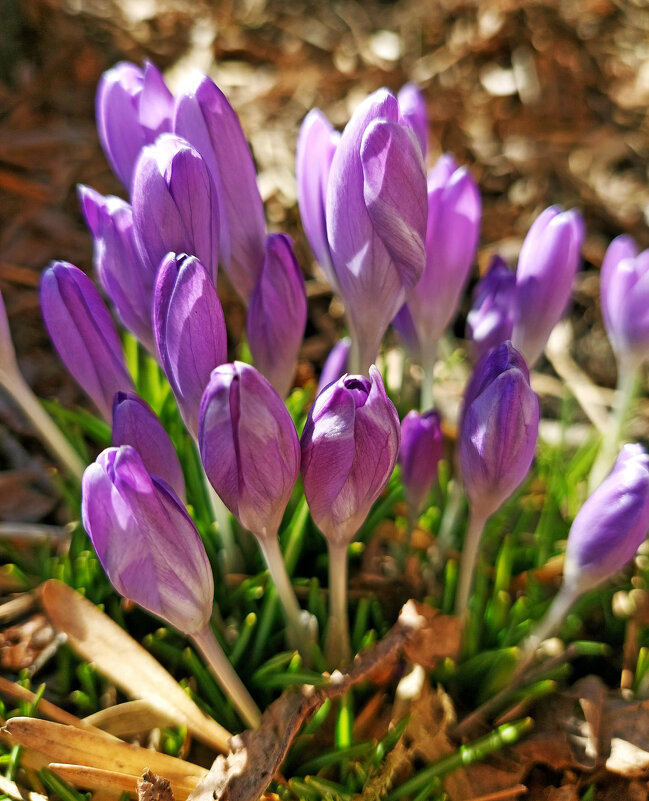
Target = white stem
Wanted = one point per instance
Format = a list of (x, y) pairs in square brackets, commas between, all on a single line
[(626, 383), (552, 621), (226, 676), (22, 394), (468, 562), (296, 621), (428, 349), (338, 648)]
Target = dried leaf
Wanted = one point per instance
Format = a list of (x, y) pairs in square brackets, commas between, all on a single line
[(152, 788), (45, 707), (96, 638), (113, 782), (128, 719), (439, 638), (14, 791)]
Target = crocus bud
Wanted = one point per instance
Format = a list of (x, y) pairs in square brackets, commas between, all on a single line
[(174, 204), (376, 219), (454, 211), (205, 118), (277, 314), (546, 269), (612, 524), (123, 276), (336, 365), (136, 424), (491, 320), (349, 448), (419, 455), (146, 541), (249, 446), (133, 107), (498, 429), (84, 335), (413, 109), (316, 145), (625, 299), (189, 329)]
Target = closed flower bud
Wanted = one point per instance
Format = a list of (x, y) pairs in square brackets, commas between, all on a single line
[(277, 314), (349, 448), (249, 447), (83, 333), (612, 524), (146, 540), (135, 424), (376, 219), (413, 109), (625, 299), (491, 320), (498, 429), (546, 270), (133, 107), (452, 231), (419, 455), (123, 276), (189, 329), (174, 204), (316, 146), (205, 118), (336, 365)]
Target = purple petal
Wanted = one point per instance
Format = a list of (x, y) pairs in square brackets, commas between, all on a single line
[(413, 108)]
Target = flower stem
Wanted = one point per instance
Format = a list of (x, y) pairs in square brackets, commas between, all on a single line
[(58, 445), (469, 558), (338, 647), (552, 621), (626, 383), (298, 634), (428, 349), (226, 676)]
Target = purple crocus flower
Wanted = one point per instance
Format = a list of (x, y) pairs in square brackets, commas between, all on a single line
[(546, 270), (146, 541), (205, 118), (491, 320), (249, 447), (84, 335), (121, 272), (336, 365), (376, 219), (349, 448), (136, 424), (189, 329), (498, 428), (625, 299), (174, 204), (454, 211), (413, 109), (133, 108), (419, 455), (277, 314), (316, 145)]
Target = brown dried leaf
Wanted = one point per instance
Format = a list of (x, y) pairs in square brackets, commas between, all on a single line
[(152, 788), (22, 645), (441, 637), (128, 719), (11, 789)]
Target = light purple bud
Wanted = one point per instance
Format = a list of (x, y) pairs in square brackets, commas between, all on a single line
[(612, 524), (454, 211), (146, 541), (175, 208), (625, 299), (413, 109), (349, 448), (123, 276), (316, 146), (336, 365), (376, 218), (205, 118), (189, 329), (491, 320), (546, 270), (277, 314), (249, 447), (133, 108), (498, 428), (136, 424), (419, 455), (84, 335)]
